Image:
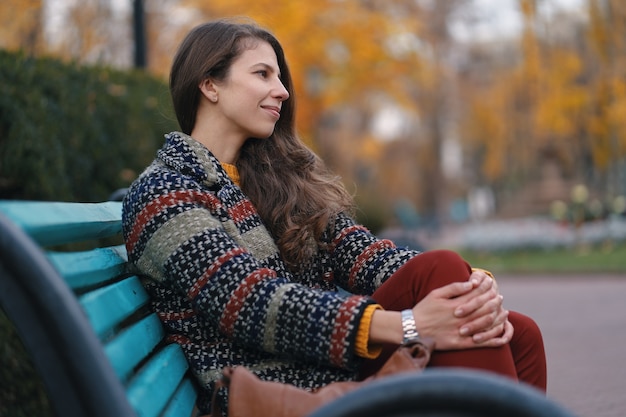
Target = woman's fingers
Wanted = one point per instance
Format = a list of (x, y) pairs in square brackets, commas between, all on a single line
[(482, 328), (453, 290), (496, 337), (476, 299), (464, 315), (478, 276), (490, 317)]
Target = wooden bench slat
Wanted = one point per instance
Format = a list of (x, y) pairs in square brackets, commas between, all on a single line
[(107, 307), (182, 402), (151, 390), (88, 268), (134, 344), (53, 223)]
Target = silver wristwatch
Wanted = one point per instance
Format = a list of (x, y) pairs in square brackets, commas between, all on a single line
[(408, 327)]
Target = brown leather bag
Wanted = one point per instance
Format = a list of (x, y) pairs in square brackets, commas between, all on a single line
[(249, 396)]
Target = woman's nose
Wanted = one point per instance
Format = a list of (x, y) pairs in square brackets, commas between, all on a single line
[(281, 92)]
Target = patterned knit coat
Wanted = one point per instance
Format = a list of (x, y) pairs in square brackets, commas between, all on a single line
[(219, 286)]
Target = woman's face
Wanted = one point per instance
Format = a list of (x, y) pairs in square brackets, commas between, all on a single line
[(251, 96)]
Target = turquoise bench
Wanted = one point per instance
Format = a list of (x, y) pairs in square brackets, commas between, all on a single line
[(82, 318), (101, 352)]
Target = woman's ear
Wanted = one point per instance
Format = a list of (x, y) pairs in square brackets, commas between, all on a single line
[(207, 87)]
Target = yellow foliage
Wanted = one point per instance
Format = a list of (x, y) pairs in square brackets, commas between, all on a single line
[(607, 87), (544, 95), (343, 43), (370, 148), (555, 94), (88, 38), (528, 8), (563, 101), (21, 25), (616, 113), (485, 127)]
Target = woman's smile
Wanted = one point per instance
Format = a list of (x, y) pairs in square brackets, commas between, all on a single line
[(273, 110)]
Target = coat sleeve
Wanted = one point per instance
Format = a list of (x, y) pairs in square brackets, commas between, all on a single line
[(362, 261), (174, 231)]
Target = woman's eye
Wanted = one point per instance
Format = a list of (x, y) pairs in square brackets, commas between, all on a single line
[(262, 73)]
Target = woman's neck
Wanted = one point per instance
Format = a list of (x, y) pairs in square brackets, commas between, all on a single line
[(226, 151), (223, 143)]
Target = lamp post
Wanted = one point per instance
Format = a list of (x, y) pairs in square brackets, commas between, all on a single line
[(139, 30)]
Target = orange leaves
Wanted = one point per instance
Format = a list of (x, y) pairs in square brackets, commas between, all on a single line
[(616, 113), (485, 128), (607, 92), (21, 25), (563, 101), (337, 49), (528, 8), (564, 97)]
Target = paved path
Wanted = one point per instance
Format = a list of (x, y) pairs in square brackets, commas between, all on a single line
[(583, 319)]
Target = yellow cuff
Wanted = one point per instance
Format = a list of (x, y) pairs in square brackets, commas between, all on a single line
[(362, 347), (485, 271)]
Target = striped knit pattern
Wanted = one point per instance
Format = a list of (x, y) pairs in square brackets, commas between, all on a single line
[(220, 288)]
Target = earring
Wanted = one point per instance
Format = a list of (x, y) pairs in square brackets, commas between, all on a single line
[(214, 99)]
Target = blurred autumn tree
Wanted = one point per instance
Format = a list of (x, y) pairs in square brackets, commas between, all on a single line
[(606, 71), (21, 25), (385, 98), (560, 102), (367, 55), (337, 51)]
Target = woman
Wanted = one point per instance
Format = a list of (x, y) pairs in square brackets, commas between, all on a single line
[(244, 237)]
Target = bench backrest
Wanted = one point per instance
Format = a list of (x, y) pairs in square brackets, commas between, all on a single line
[(83, 318)]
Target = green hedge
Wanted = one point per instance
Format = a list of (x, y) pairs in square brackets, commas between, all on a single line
[(23, 393), (75, 133)]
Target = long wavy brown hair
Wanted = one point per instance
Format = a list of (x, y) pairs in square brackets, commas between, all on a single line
[(295, 194)]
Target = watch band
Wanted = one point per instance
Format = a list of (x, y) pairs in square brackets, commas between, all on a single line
[(408, 327)]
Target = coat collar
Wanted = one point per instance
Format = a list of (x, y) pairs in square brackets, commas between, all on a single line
[(190, 157)]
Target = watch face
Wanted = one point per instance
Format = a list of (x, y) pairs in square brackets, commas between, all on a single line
[(411, 340)]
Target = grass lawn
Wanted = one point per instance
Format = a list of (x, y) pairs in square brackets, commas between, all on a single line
[(597, 259)]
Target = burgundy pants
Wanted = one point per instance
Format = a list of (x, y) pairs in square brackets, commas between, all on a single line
[(523, 358)]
